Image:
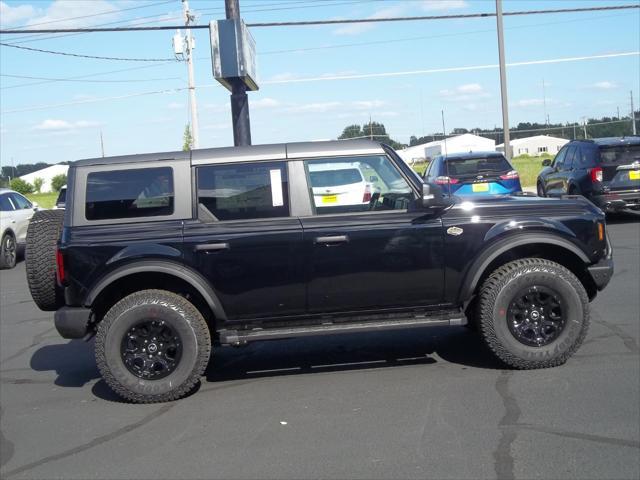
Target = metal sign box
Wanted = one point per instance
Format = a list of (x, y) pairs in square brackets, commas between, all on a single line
[(233, 53)]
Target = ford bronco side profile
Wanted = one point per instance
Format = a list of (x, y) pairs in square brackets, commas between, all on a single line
[(162, 256)]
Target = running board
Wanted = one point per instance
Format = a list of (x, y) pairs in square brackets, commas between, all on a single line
[(241, 337)]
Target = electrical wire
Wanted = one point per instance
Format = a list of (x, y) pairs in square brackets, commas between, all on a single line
[(49, 79), (332, 22), (127, 59)]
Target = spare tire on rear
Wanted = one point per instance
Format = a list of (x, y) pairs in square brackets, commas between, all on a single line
[(40, 259)]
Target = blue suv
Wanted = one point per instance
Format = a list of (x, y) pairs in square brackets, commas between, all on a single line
[(473, 173)]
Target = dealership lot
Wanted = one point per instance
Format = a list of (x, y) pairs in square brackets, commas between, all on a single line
[(414, 404)]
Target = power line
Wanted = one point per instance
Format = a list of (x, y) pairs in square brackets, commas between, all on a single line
[(49, 79), (338, 77), (90, 56), (332, 22), (105, 12)]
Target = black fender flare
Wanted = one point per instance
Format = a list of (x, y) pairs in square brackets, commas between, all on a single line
[(193, 278), (490, 253)]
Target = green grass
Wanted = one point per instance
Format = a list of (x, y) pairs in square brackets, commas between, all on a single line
[(528, 168), (44, 200)]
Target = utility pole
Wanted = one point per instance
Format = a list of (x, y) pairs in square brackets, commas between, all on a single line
[(101, 144), (633, 114), (239, 98), (584, 126), (544, 102), (618, 110), (188, 18), (503, 81)]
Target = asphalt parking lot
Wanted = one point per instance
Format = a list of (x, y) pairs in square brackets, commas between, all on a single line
[(428, 403)]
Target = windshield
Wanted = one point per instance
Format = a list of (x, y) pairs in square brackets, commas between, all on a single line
[(621, 155), (473, 166), (335, 178)]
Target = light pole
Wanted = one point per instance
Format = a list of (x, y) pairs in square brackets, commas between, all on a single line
[(503, 82), (239, 97), (188, 18)]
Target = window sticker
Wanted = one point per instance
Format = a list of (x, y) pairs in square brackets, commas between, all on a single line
[(277, 199)]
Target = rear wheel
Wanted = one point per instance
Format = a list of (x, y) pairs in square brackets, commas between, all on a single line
[(533, 313), (152, 346), (40, 258), (8, 251)]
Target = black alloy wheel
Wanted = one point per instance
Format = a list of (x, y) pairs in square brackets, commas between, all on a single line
[(151, 350), (535, 317)]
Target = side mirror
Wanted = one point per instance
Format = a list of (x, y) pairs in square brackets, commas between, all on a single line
[(35, 205), (432, 197), (546, 162)]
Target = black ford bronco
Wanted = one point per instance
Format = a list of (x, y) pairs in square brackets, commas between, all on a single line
[(161, 256)]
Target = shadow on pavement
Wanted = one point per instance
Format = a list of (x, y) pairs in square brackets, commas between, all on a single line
[(623, 217), (73, 362)]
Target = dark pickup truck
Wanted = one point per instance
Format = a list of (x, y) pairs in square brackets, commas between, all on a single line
[(161, 256)]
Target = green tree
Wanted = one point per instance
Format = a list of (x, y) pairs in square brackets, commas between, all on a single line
[(21, 186), (187, 138), (58, 182), (351, 131), (374, 130), (37, 184)]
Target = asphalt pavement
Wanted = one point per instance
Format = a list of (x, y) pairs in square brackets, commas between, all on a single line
[(429, 403)]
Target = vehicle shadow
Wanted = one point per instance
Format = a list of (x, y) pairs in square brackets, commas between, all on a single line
[(424, 346), (75, 366), (622, 218)]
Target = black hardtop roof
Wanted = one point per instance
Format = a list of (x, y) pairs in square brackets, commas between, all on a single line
[(470, 155)]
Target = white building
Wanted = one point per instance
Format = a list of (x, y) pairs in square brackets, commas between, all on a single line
[(46, 174), (459, 144), (535, 146)]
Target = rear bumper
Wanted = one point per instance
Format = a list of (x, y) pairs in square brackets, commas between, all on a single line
[(616, 201), (72, 322)]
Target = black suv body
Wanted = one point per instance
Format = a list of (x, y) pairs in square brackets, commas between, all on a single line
[(604, 170), (163, 255)]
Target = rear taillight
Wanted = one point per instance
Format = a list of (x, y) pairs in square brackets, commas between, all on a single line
[(367, 194), (596, 174), (442, 180), (512, 175), (59, 267)]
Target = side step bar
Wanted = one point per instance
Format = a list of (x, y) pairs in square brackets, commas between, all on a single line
[(241, 337)]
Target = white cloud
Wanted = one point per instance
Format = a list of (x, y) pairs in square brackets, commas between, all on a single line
[(468, 91), (11, 15), (530, 102), (367, 104), (264, 103), (55, 125), (175, 105), (431, 5), (604, 85), (316, 107), (281, 77), (358, 28), (66, 14), (216, 126)]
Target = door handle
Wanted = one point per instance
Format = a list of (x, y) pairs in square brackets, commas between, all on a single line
[(332, 239), (211, 247)]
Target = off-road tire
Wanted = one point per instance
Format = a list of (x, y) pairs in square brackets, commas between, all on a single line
[(181, 315), (8, 261), (499, 290), (40, 259)]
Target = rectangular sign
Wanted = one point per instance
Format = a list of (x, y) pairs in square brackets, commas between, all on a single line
[(277, 198)]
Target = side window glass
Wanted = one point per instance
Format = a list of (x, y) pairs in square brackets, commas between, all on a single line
[(20, 202), (357, 184), (568, 160), (144, 192), (5, 204), (559, 160), (243, 191)]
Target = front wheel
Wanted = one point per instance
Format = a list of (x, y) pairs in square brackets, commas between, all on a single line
[(152, 346), (533, 313)]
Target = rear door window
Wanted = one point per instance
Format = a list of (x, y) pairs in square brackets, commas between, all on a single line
[(20, 202), (131, 193), (243, 191), (568, 159)]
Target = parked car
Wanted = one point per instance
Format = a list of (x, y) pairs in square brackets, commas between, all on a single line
[(232, 246), (62, 196), (604, 170), (15, 213), (340, 185), (484, 173)]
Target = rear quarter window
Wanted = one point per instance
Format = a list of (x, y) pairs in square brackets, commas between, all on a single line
[(144, 192)]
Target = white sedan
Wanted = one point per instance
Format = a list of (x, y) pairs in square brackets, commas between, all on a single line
[(15, 213)]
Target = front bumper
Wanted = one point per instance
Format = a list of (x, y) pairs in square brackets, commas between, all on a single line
[(73, 322), (602, 272), (617, 201)]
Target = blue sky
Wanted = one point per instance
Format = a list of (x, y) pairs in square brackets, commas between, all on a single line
[(57, 121)]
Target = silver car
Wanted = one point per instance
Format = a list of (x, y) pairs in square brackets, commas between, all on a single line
[(15, 213)]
